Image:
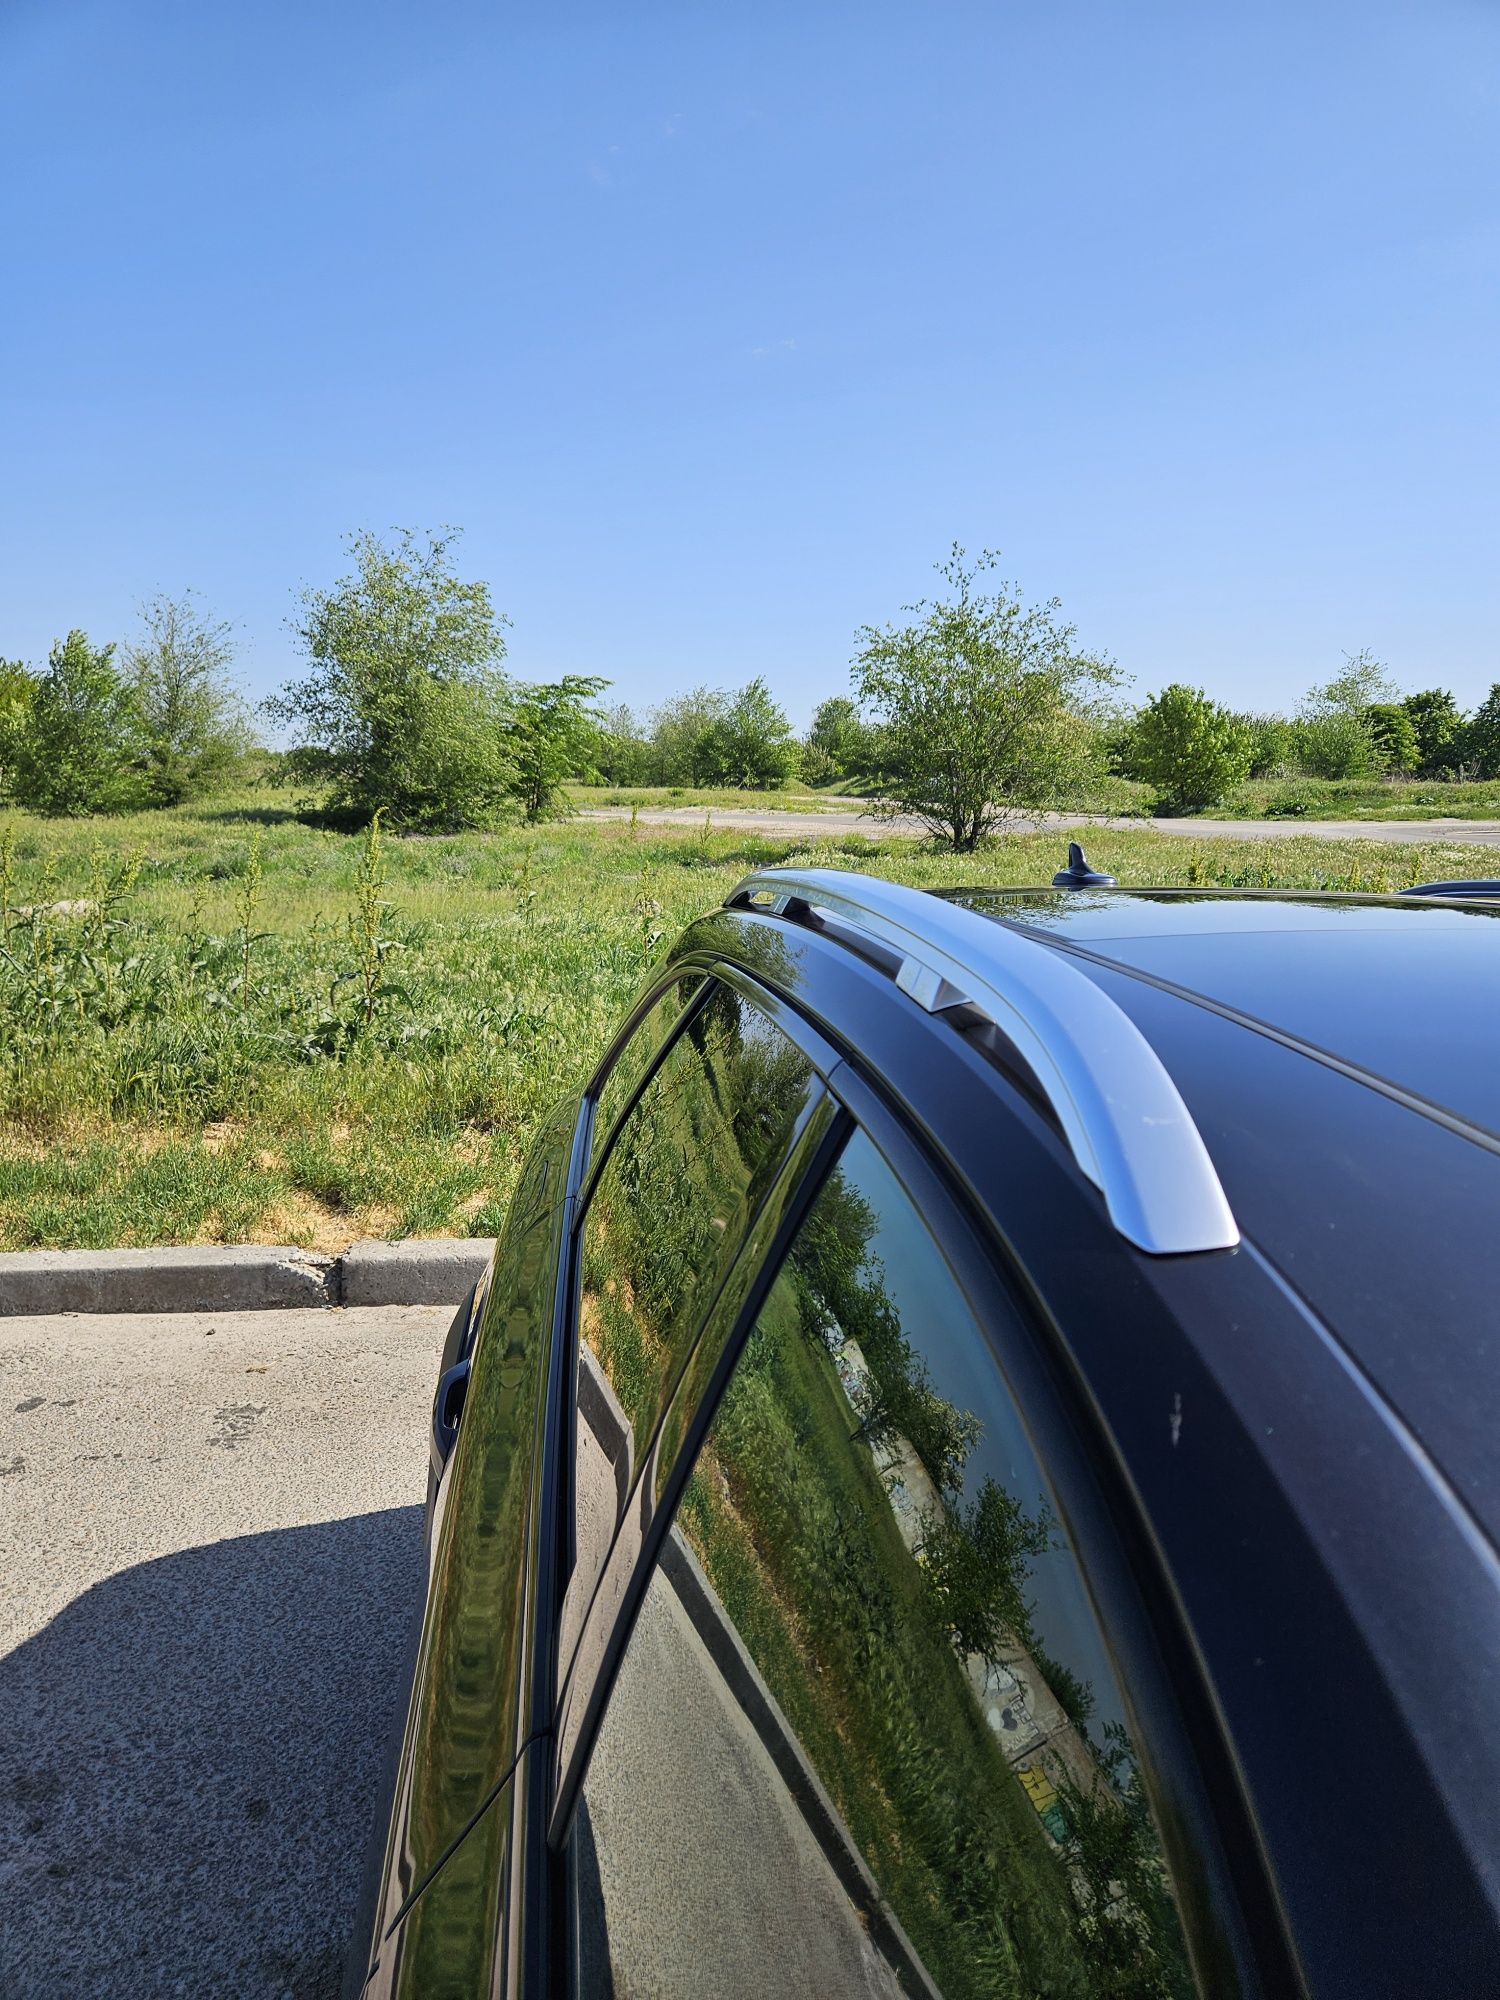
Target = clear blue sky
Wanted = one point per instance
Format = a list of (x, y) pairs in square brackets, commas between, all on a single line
[(714, 324)]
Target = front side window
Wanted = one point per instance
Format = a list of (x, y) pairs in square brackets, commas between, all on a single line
[(866, 1738), (629, 1066), (678, 1191)]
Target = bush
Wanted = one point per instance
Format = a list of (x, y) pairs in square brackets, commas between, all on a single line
[(554, 732), (1335, 736), (1394, 736), (194, 732), (1188, 747), (1439, 726), (750, 744), (81, 744), (979, 702), (1481, 738), (405, 711), (1290, 802)]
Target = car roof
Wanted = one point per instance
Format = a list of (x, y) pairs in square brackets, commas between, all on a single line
[(1333, 1054), (1338, 1056), (1406, 991)]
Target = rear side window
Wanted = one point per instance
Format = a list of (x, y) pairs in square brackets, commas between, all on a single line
[(677, 1193), (623, 1075), (866, 1737)]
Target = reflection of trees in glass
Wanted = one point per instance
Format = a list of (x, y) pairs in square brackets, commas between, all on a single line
[(978, 1559), (690, 1164), (1127, 1927), (844, 1294), (865, 1647)]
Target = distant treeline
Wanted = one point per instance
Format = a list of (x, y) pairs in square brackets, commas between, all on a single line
[(977, 708)]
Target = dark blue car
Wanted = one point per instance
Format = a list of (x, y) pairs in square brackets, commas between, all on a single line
[(976, 1471)]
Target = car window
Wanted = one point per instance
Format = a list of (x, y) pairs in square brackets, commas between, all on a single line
[(619, 1082), (675, 1198), (866, 1737)]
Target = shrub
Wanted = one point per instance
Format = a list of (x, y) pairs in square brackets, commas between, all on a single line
[(1188, 747), (553, 735), (405, 710), (1394, 736), (978, 701), (1439, 725), (1335, 737), (81, 745), (1481, 737), (194, 731)]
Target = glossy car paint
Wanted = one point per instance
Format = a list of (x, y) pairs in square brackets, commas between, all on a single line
[(1296, 1591)]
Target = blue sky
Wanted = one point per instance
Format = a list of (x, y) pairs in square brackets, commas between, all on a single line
[(713, 325)]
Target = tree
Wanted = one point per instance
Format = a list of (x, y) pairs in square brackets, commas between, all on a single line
[(750, 744), (80, 747), (1273, 744), (840, 744), (623, 755), (554, 731), (679, 730), (1334, 735), (977, 1561), (17, 683), (194, 731), (1439, 725), (1189, 748), (979, 700), (1481, 740), (405, 708), (1394, 735)]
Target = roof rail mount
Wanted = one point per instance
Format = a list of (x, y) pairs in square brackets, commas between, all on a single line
[(1078, 874), (1120, 1113)]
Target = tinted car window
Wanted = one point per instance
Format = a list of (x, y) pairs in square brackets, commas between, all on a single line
[(866, 1738), (676, 1195), (623, 1076)]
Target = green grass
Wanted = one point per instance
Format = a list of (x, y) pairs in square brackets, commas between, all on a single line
[(150, 1093), (1360, 798)]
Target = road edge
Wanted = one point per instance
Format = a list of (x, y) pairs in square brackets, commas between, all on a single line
[(240, 1277)]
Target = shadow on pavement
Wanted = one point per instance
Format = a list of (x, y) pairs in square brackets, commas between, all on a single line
[(189, 1760)]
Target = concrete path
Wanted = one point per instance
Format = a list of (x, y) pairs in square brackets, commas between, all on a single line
[(211, 1544), (799, 826)]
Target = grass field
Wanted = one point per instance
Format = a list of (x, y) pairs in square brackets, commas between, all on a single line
[(1257, 798), (244, 1034)]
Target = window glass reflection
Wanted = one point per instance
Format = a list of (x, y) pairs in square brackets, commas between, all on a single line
[(677, 1193), (630, 1064), (866, 1738)]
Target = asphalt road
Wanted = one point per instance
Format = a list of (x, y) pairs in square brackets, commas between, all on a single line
[(211, 1538), (828, 825)]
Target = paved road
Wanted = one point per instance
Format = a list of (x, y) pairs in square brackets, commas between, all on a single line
[(210, 1537), (798, 826)]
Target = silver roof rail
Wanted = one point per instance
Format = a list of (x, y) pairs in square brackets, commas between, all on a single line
[(1121, 1114)]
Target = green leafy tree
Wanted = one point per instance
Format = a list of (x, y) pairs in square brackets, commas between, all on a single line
[(1439, 725), (405, 709), (623, 753), (554, 733), (982, 705), (1335, 738), (1394, 735), (1188, 747), (1273, 744), (679, 731), (17, 683), (977, 1561), (81, 745), (194, 730), (1481, 739), (750, 744), (840, 743)]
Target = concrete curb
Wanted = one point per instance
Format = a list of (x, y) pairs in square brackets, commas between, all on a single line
[(239, 1277)]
